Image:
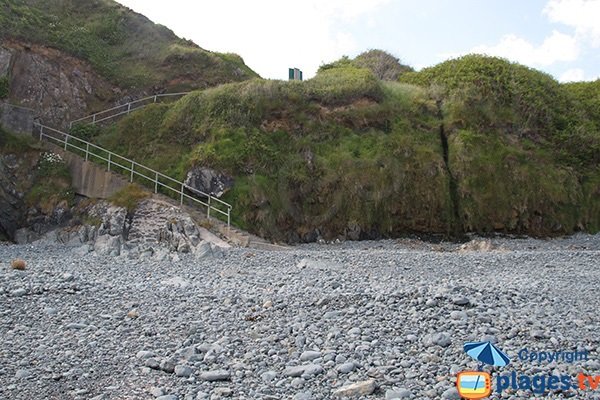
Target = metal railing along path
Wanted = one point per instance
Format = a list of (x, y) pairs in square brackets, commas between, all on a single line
[(123, 109), (90, 151)]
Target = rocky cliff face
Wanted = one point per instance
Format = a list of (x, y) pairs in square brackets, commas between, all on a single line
[(15, 180), (59, 87)]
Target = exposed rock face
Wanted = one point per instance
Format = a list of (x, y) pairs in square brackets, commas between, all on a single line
[(154, 229), (157, 224), (60, 87), (16, 119), (15, 180), (208, 181)]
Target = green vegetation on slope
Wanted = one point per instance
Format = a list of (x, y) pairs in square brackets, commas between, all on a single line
[(15, 144), (123, 46), (523, 150), (50, 183), (474, 144), (342, 153)]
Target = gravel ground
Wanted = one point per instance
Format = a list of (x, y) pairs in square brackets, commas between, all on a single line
[(299, 324)]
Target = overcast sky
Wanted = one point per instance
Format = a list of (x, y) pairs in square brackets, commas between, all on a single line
[(561, 37)]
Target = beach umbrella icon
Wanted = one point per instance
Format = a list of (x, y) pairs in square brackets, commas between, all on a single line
[(486, 353)]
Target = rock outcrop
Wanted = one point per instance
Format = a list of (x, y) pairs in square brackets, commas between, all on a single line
[(60, 87), (155, 229), (208, 181)]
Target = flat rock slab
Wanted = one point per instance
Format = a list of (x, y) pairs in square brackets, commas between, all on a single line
[(357, 389)]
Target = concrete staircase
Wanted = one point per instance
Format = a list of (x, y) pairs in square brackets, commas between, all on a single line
[(231, 234)]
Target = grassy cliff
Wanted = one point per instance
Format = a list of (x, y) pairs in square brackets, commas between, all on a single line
[(474, 144), (121, 45), (523, 149)]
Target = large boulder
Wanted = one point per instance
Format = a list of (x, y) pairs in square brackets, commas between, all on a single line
[(208, 181), (107, 244)]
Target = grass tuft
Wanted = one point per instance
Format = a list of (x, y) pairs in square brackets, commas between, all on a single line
[(129, 197)]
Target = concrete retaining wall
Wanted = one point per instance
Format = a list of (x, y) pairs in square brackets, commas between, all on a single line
[(16, 119), (89, 179)]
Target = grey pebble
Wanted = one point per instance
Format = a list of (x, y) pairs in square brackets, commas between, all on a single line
[(450, 394), (50, 311), (303, 396), (397, 394), (310, 355), (152, 363), (183, 371), (76, 326), (143, 354), (294, 371), (23, 374), (345, 368), (461, 301), (167, 366), (18, 292), (269, 376), (215, 375)]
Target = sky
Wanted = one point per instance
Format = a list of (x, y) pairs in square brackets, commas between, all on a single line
[(560, 37)]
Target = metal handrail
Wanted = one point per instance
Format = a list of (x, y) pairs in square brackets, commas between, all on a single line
[(69, 142), (17, 106), (125, 109)]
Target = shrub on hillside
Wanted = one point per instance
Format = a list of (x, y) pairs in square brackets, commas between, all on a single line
[(18, 264), (84, 131), (129, 197), (383, 65), (492, 92), (344, 85), (493, 95), (10, 143)]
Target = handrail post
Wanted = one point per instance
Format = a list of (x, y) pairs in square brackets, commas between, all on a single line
[(109, 154), (41, 132), (155, 97), (66, 141), (128, 108), (182, 185), (208, 212), (87, 150), (228, 217), (132, 166), (156, 183), (94, 119)]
